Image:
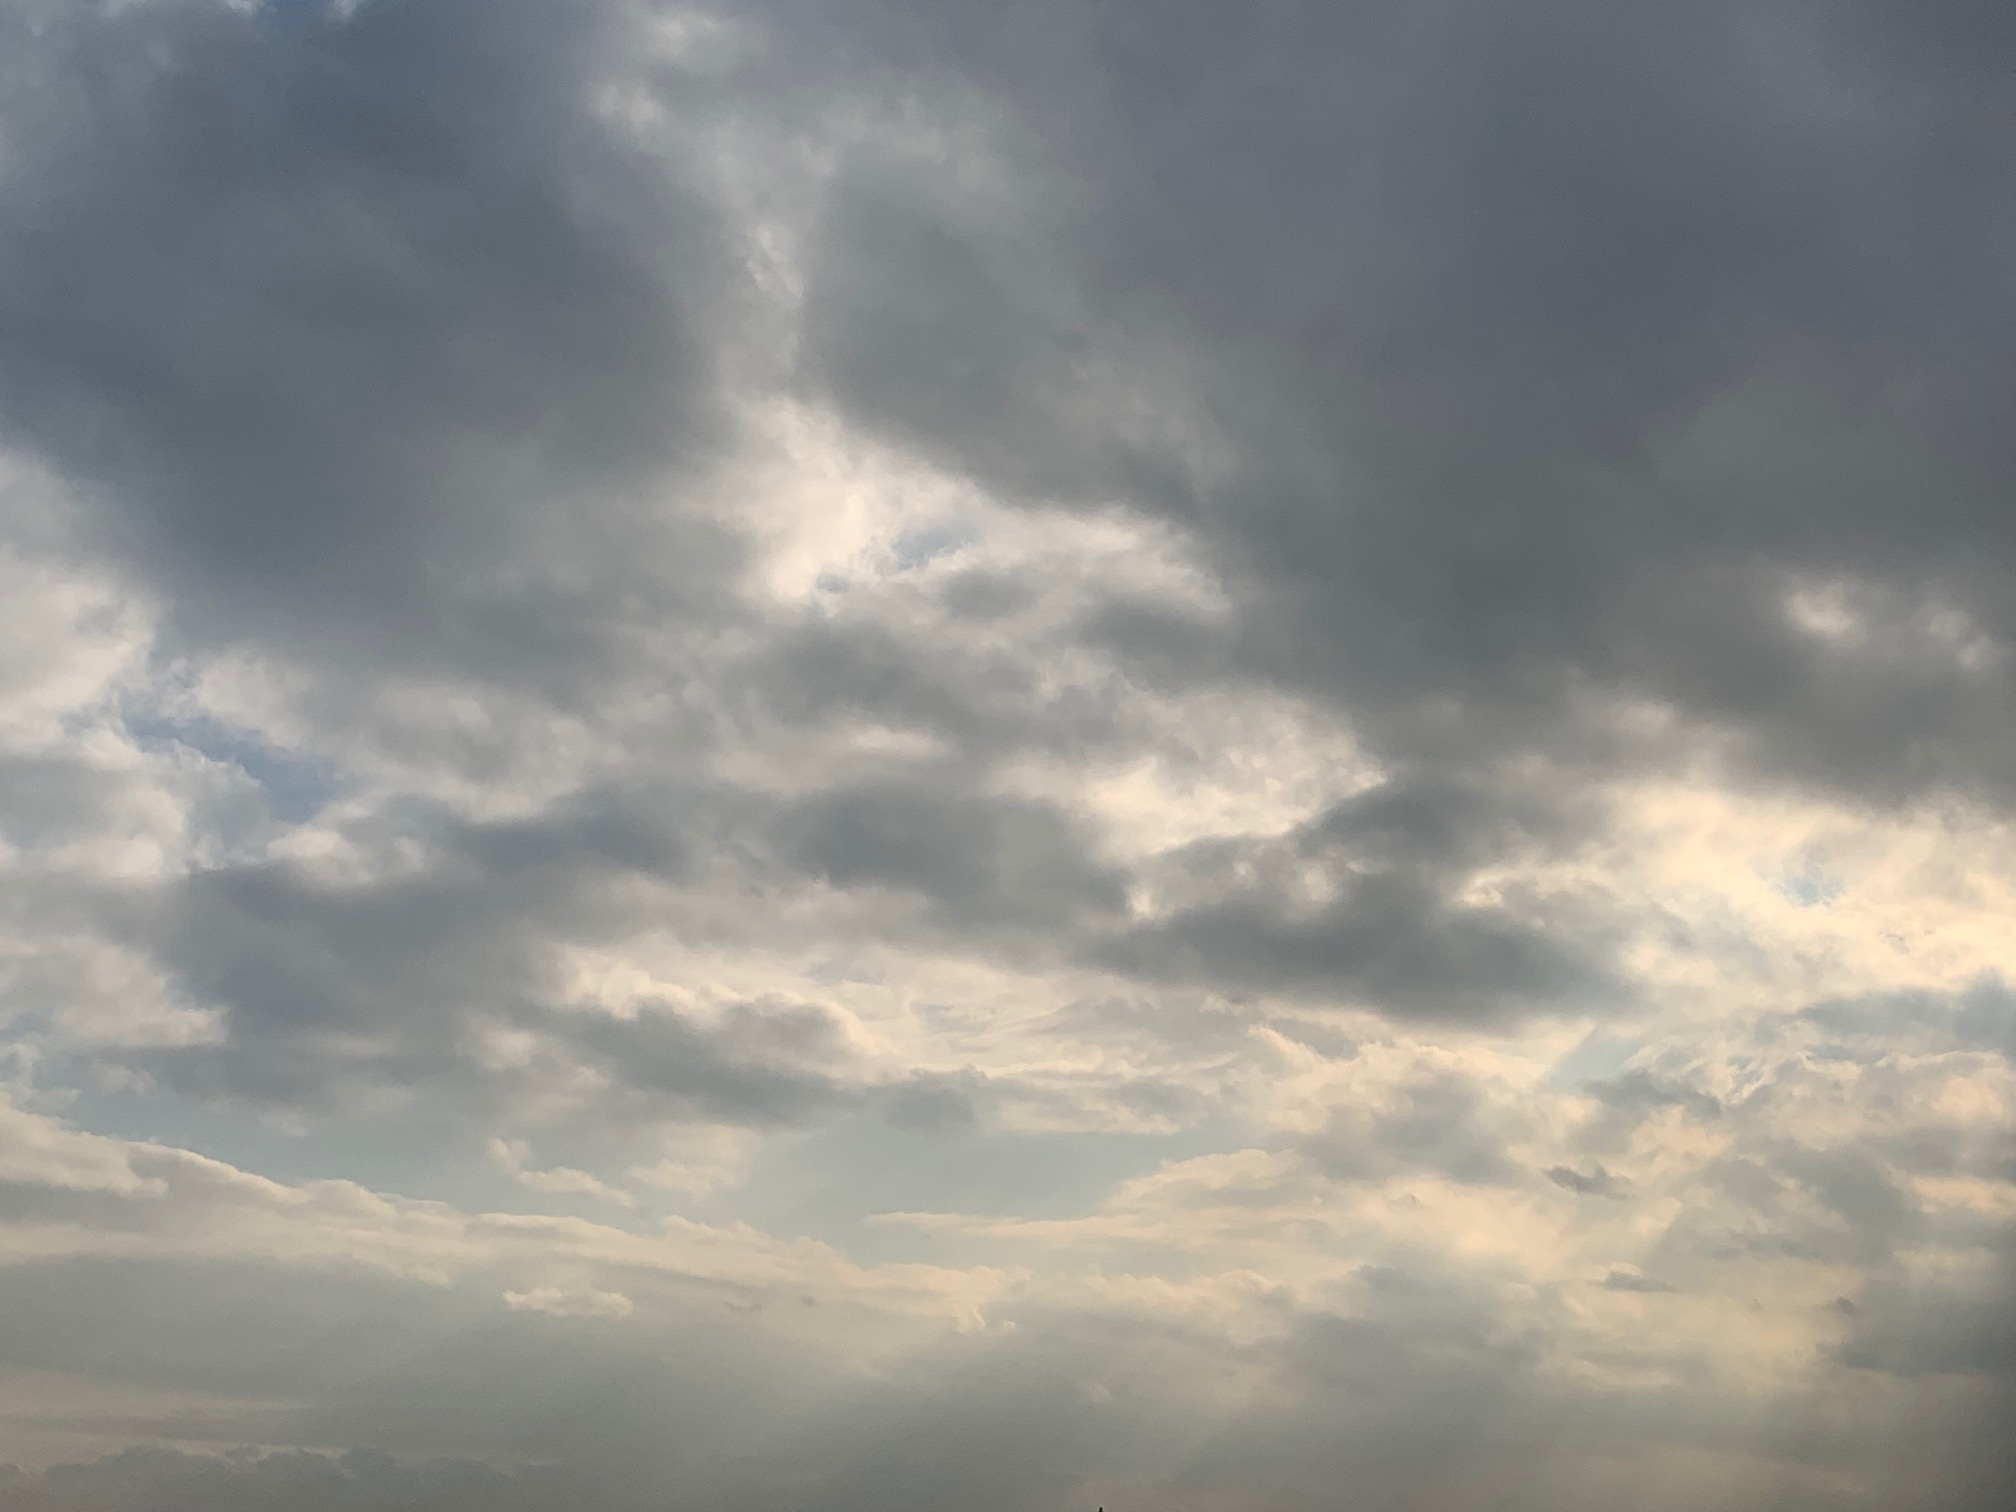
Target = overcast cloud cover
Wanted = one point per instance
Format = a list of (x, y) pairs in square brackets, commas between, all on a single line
[(1007, 755)]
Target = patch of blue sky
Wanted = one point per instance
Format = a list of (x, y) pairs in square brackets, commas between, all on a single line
[(915, 548), (413, 1156), (296, 785), (1603, 1055), (292, 18), (826, 1183), (288, 19), (1810, 887)]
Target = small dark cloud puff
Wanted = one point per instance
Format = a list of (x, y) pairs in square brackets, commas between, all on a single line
[(1631, 1281), (1595, 1182)]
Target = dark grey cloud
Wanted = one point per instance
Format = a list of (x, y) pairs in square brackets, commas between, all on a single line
[(976, 864), (986, 700), (1550, 347), (1981, 1018), (341, 318), (1388, 925), (54, 800), (759, 1063), (335, 990), (1386, 945)]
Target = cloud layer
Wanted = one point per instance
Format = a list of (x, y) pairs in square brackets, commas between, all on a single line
[(921, 754)]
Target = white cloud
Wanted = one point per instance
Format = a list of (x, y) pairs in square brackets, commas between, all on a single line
[(561, 1303)]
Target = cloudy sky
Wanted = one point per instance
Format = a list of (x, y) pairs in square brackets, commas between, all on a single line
[(1007, 755)]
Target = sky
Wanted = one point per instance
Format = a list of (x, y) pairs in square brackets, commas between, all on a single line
[(1024, 756)]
